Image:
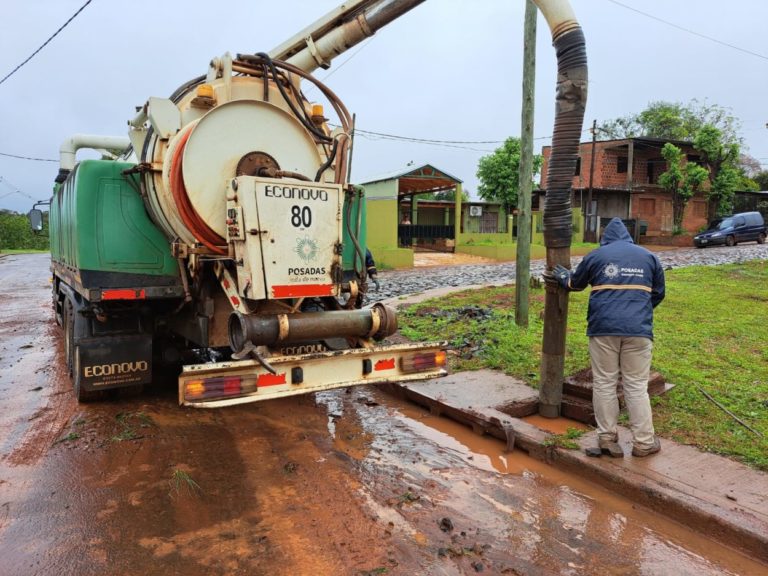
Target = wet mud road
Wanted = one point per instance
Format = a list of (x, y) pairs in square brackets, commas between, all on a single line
[(349, 483)]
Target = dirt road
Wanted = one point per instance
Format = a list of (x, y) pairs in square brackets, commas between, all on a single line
[(343, 483)]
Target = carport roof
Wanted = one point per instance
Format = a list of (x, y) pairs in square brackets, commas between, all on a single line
[(418, 180)]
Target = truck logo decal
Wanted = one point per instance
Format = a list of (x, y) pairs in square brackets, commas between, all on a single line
[(295, 193), (306, 248), (117, 368)]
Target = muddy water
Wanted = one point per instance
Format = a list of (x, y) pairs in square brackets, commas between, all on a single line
[(524, 508), (338, 483)]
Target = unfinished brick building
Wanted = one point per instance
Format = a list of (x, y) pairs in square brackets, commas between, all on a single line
[(625, 185)]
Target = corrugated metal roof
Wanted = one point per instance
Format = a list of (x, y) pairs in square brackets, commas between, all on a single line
[(413, 171)]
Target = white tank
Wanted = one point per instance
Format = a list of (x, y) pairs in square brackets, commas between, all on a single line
[(214, 130)]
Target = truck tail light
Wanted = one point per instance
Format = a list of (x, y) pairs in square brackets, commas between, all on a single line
[(219, 387), (422, 362)]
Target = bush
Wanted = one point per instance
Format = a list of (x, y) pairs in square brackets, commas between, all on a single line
[(16, 233)]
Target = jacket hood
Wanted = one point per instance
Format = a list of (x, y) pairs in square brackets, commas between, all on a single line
[(615, 232)]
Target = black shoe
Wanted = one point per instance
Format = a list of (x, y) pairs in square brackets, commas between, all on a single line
[(611, 447)]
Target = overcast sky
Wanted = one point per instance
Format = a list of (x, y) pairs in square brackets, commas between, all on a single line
[(449, 70)]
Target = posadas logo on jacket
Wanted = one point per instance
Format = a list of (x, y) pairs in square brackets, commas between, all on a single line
[(611, 271)]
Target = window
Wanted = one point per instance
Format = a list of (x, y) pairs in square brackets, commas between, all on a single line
[(699, 209), (621, 165), (655, 167), (693, 158), (578, 166), (489, 222), (647, 206)]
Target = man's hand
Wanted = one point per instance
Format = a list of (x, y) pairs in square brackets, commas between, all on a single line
[(558, 275), (375, 281)]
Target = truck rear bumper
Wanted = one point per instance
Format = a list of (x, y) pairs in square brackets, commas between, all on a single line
[(239, 382)]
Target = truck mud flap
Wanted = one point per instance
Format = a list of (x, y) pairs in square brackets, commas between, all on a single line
[(115, 362), (237, 382)]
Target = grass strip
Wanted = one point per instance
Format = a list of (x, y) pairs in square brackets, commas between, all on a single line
[(711, 333)]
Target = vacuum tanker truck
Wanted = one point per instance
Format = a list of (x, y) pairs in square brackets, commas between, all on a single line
[(222, 235)]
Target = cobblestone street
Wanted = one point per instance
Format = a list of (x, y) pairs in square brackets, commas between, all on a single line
[(402, 282)]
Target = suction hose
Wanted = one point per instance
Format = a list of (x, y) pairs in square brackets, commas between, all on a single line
[(376, 322), (570, 104)]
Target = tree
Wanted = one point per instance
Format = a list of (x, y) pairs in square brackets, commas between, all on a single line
[(749, 165), (16, 233), (499, 173), (673, 121), (762, 179), (445, 195), (721, 158), (681, 180)]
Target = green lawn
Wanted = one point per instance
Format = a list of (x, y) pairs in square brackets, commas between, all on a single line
[(22, 251), (711, 333)]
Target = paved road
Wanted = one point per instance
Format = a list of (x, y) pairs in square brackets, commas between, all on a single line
[(401, 282)]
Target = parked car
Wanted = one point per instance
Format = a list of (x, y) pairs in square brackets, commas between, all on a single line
[(730, 230)]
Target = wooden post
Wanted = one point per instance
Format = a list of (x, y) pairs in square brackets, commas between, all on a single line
[(523, 266), (553, 340)]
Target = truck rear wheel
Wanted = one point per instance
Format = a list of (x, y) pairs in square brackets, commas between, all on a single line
[(69, 334), (77, 383), (72, 354)]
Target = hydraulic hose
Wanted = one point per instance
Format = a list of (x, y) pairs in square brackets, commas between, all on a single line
[(189, 216)]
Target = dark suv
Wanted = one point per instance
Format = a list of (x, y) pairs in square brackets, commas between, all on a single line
[(730, 230)]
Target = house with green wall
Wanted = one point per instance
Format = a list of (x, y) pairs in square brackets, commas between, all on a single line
[(407, 211)]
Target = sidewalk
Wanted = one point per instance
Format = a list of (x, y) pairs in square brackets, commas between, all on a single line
[(721, 498)]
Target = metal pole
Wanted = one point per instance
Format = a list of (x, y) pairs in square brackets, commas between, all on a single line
[(351, 148), (588, 212), (523, 267)]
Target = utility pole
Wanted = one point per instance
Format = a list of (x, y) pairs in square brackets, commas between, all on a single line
[(588, 211), (351, 149), (523, 266)]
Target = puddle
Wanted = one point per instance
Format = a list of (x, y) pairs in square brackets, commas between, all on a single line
[(554, 425), (531, 508)]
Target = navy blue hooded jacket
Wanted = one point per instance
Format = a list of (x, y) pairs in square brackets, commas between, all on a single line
[(627, 284)]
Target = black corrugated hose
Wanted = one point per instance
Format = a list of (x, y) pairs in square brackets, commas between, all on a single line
[(570, 103)]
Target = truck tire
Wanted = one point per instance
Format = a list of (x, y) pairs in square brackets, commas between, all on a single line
[(58, 306), (69, 334), (82, 395), (72, 354)]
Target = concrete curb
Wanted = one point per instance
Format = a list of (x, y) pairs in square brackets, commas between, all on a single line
[(665, 482)]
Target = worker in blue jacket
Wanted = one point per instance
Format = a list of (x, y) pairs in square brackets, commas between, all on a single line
[(627, 284)]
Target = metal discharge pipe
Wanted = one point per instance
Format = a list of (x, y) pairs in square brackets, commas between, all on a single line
[(377, 322), (570, 103), (320, 51)]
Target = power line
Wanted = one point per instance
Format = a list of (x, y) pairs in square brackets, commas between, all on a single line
[(12, 72), (14, 189), (352, 55), (688, 30), (28, 157)]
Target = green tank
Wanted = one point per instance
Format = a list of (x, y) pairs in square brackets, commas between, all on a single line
[(101, 233)]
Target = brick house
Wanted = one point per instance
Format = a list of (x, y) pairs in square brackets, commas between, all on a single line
[(625, 185)]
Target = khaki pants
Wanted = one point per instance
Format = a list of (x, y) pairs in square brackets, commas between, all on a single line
[(630, 357)]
